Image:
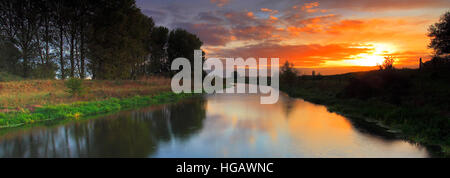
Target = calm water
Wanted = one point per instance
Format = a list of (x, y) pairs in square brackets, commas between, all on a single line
[(212, 126)]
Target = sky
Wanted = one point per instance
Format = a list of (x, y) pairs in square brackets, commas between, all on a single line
[(328, 36)]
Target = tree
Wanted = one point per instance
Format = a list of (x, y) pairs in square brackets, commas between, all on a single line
[(158, 59), (288, 75), (440, 35), (9, 58), (388, 64), (45, 37), (19, 23), (60, 10), (118, 40), (182, 44), (108, 39)]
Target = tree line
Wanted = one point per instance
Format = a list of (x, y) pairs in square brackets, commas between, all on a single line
[(100, 39)]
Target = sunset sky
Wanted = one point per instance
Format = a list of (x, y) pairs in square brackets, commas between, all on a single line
[(328, 36)]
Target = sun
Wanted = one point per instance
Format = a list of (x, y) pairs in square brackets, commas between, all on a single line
[(367, 60), (376, 57)]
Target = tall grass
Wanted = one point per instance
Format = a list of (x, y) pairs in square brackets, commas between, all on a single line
[(78, 110), (30, 93)]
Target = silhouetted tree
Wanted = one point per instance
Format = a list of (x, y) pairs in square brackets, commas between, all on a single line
[(388, 64), (288, 75), (158, 59), (19, 21), (9, 58), (117, 40), (108, 39), (440, 35), (182, 44)]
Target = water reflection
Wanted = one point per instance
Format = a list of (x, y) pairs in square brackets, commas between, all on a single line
[(128, 134), (214, 126)]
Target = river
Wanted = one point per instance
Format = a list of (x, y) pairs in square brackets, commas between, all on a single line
[(212, 126)]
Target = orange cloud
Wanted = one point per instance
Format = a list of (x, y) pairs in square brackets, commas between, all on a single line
[(383, 5), (266, 10), (310, 5), (220, 3), (294, 35), (309, 25), (301, 55), (346, 25), (270, 11)]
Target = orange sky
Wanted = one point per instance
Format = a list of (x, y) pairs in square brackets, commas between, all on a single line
[(326, 35)]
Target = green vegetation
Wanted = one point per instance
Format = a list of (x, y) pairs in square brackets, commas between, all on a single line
[(75, 86), (414, 102), (36, 93), (7, 77), (84, 109), (410, 101), (102, 39)]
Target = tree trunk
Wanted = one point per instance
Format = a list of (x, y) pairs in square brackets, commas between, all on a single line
[(82, 73), (72, 51), (47, 43), (25, 63), (61, 52)]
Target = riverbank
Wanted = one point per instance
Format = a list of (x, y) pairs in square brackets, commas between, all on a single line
[(419, 112), (31, 101), (30, 94), (80, 110)]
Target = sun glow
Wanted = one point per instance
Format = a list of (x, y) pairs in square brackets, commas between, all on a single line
[(374, 58)]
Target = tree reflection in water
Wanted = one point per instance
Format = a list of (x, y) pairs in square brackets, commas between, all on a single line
[(127, 134)]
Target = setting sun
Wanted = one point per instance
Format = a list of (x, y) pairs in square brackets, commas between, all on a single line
[(373, 58)]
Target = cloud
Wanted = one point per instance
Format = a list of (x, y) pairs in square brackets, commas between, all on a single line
[(310, 25), (411, 58), (311, 7), (220, 3), (298, 27), (209, 17), (266, 10), (300, 55), (270, 11), (346, 25), (214, 35), (245, 26), (158, 16), (380, 5)]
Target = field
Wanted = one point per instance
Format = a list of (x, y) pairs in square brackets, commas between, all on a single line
[(28, 102), (30, 94)]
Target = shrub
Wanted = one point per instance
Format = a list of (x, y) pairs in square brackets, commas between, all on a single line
[(288, 75), (388, 64), (389, 85), (75, 86)]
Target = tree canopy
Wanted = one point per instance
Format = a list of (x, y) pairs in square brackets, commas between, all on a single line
[(100, 39), (440, 35)]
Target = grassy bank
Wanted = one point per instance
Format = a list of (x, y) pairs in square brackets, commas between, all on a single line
[(79, 110), (28, 94), (31, 101), (420, 111)]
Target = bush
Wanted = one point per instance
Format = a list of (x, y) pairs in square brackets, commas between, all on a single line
[(388, 64), (388, 85), (75, 86), (288, 75)]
